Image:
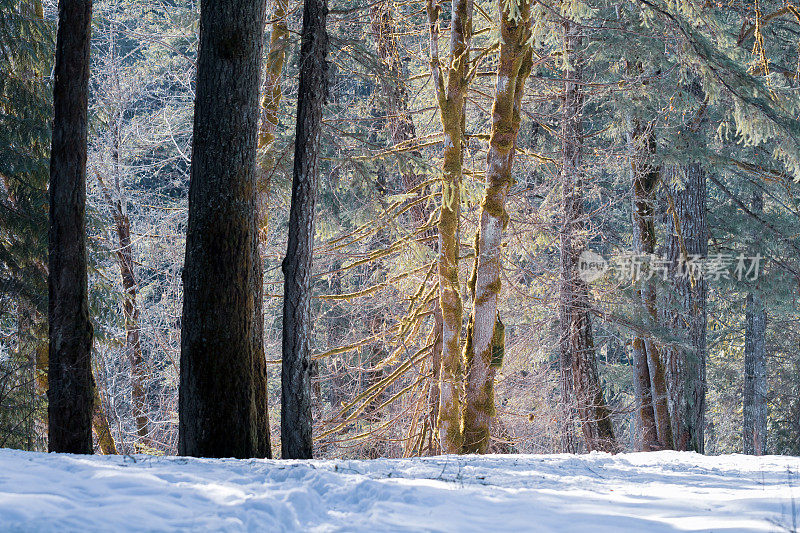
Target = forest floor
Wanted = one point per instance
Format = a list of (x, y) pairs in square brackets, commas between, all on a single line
[(662, 491)]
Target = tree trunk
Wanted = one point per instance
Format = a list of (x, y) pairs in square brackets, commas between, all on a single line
[(755, 375), (296, 440), (101, 427), (70, 370), (649, 377), (483, 353), (451, 97), (686, 365), (259, 368), (646, 437), (130, 307), (219, 410), (270, 104), (433, 447), (26, 354), (577, 343)]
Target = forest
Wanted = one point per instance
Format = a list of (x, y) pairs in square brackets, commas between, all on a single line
[(366, 229)]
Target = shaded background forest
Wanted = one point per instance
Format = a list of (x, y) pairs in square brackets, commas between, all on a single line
[(713, 83)]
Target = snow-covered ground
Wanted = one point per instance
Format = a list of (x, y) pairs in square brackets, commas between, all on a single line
[(663, 491)]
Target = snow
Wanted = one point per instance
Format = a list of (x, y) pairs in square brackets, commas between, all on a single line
[(661, 491)]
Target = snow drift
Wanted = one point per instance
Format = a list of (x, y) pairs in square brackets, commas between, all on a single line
[(663, 491)]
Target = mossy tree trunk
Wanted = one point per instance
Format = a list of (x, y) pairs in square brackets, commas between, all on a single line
[(70, 380), (451, 97), (483, 352), (577, 342), (220, 414), (272, 94)]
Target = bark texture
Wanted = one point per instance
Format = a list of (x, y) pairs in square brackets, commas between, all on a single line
[(451, 98), (649, 373), (646, 437), (70, 380), (686, 361), (754, 432), (485, 346), (578, 358), (220, 414), (296, 440)]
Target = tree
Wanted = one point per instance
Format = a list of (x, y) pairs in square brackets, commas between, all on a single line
[(130, 307), (754, 431), (25, 115), (686, 362), (116, 100), (296, 440), (403, 134), (649, 375), (70, 379), (220, 412), (270, 104), (399, 121), (451, 99), (578, 359), (485, 345)]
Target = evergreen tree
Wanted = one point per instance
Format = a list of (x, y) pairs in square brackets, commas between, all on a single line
[(70, 382), (222, 377), (296, 440), (25, 112)]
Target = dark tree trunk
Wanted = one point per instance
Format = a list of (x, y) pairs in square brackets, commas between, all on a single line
[(578, 357), (296, 440), (755, 373), (221, 346), (686, 366), (70, 380)]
